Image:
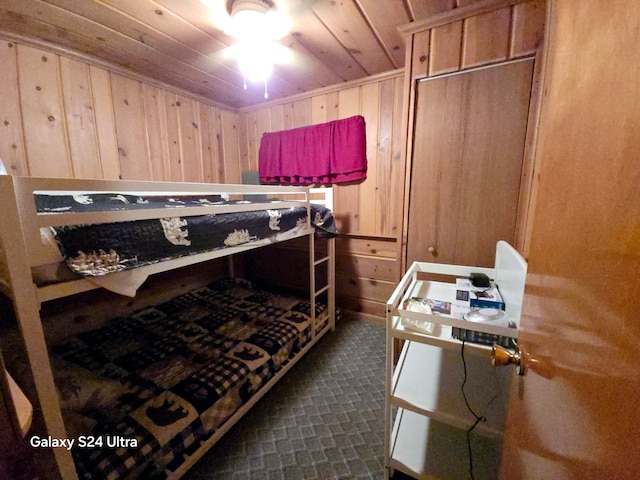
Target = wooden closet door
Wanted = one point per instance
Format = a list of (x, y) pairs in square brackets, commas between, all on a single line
[(466, 168)]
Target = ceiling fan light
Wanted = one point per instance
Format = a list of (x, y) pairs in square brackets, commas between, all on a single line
[(256, 71), (259, 6), (255, 60), (247, 24), (256, 26), (248, 19)]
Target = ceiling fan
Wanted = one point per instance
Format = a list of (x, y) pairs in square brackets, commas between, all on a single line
[(256, 26)]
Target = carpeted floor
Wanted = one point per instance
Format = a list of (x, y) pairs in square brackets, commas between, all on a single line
[(324, 420)]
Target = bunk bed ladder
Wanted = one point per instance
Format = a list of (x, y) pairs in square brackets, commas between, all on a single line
[(329, 260)]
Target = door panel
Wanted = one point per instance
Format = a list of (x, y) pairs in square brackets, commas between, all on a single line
[(575, 415), (469, 139)]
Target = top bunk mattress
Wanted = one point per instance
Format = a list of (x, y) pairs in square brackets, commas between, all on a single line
[(97, 249)]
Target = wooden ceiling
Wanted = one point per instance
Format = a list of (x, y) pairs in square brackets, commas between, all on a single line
[(180, 42)]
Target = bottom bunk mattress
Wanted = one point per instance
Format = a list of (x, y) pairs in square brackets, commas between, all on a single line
[(141, 394)]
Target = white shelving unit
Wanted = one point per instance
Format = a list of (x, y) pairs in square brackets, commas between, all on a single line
[(427, 417)]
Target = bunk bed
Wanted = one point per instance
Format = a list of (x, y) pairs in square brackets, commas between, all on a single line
[(147, 394)]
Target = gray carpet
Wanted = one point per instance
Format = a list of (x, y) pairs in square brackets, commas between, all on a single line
[(324, 419)]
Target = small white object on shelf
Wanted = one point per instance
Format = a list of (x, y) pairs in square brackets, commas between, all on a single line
[(421, 305)]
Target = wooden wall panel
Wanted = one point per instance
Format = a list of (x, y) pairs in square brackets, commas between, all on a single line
[(243, 141), (190, 142), (368, 205), (287, 109), (174, 163), (419, 59), (347, 197), (301, 113), (219, 135), (69, 118), (486, 38), (397, 169), (12, 150), (154, 110), (105, 123), (231, 150), (422, 9), (262, 125), (80, 119), (43, 120), (130, 125), (491, 32), (390, 166), (319, 111), (333, 106), (445, 48), (277, 119), (527, 28), (209, 141)]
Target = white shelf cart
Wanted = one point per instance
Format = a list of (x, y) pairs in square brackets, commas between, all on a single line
[(427, 417)]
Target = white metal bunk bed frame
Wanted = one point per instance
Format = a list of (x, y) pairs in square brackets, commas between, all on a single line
[(21, 240)]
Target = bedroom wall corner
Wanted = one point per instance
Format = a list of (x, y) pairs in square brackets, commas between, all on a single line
[(368, 213)]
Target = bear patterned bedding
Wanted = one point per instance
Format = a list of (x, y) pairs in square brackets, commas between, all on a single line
[(143, 392), (98, 249)]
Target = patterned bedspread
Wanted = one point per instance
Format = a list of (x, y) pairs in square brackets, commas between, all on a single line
[(155, 385), (103, 248)]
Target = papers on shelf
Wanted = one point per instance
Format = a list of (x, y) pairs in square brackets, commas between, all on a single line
[(428, 306), (478, 297)]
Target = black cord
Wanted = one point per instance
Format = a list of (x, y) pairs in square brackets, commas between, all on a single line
[(477, 417)]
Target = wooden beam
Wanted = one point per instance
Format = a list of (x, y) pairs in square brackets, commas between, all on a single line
[(456, 15)]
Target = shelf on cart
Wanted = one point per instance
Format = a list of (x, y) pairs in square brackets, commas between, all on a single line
[(446, 292), (427, 449), (428, 380)]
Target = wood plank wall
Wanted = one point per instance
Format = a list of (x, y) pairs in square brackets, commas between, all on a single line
[(478, 34), (65, 117), (368, 214), (369, 250)]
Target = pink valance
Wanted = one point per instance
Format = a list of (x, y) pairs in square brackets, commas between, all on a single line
[(332, 152)]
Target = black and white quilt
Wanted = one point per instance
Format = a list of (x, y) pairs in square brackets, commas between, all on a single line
[(165, 378), (110, 247)]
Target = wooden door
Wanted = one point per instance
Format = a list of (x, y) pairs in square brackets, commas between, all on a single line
[(466, 168), (576, 413)]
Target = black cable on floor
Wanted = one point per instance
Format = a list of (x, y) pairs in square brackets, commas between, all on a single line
[(477, 417)]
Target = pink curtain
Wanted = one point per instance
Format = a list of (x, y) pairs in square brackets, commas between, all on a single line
[(333, 152)]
